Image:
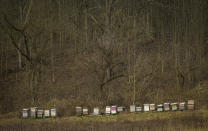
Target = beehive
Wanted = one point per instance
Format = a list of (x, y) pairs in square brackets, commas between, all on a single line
[(174, 106), (85, 111), (132, 108), (25, 113), (96, 111), (40, 113), (146, 107), (33, 112), (47, 113), (190, 105), (152, 107), (138, 109), (182, 106), (113, 110), (160, 108), (53, 113), (107, 110), (120, 109), (166, 106), (78, 111)]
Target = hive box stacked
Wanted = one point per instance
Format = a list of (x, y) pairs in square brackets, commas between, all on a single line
[(39, 113), (146, 107), (160, 108), (114, 110), (96, 111), (78, 111), (25, 113), (132, 108), (53, 113), (190, 105), (33, 112), (47, 113), (182, 106), (138, 109), (166, 106), (152, 107), (174, 106), (107, 110)]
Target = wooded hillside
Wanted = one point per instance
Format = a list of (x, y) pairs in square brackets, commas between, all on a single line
[(63, 53)]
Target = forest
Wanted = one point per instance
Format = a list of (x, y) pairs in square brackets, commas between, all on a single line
[(66, 53)]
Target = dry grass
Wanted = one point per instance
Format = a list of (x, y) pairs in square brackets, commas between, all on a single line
[(185, 121)]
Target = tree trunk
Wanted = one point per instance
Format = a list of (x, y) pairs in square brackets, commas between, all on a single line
[(52, 58)]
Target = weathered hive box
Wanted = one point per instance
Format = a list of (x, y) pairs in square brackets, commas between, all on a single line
[(40, 113), (160, 108), (25, 113), (33, 112), (121, 109), (190, 105), (146, 107), (166, 106), (174, 106), (96, 111), (85, 111), (182, 106), (132, 108), (138, 109), (53, 113), (107, 110), (78, 111), (152, 107), (113, 110), (47, 113)]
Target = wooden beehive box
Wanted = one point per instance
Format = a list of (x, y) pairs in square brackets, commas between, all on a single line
[(152, 107), (33, 112), (53, 113), (132, 108), (85, 111), (47, 113), (78, 111), (40, 113), (190, 105), (146, 107), (166, 106), (107, 110), (25, 113)]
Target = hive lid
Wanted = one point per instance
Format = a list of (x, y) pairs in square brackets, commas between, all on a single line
[(190, 101), (34, 107), (146, 104)]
